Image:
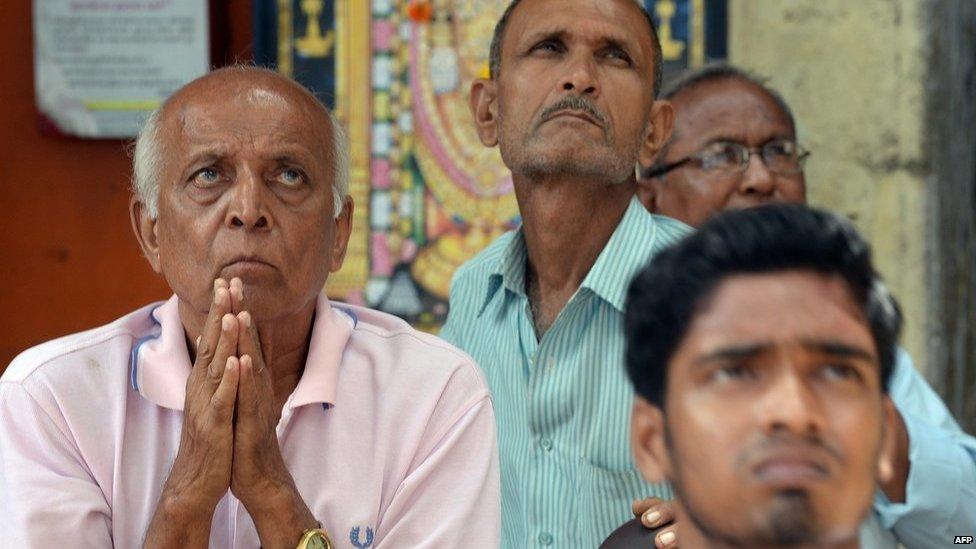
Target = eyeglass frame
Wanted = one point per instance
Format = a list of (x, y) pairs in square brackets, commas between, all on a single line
[(801, 155)]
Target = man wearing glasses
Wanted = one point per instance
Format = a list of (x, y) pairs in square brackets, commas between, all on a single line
[(734, 146)]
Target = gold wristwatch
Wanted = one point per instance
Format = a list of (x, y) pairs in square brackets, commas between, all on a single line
[(315, 538)]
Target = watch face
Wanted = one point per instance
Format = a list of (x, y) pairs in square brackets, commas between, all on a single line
[(317, 541)]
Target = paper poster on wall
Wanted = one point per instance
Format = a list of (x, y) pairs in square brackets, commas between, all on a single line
[(100, 66)]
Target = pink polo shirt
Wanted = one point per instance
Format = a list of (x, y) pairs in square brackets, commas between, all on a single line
[(389, 435)]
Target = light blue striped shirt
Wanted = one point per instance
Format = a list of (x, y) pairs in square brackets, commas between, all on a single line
[(563, 403)]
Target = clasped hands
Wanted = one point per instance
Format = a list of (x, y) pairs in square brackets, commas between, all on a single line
[(228, 439)]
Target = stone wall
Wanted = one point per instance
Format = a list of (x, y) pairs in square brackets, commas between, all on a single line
[(854, 74)]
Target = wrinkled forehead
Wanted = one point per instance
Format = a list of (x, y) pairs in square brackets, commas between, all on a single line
[(594, 20), (253, 109), (728, 108)]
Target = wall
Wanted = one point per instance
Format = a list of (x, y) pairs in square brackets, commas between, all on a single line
[(68, 260), (951, 153), (854, 74)]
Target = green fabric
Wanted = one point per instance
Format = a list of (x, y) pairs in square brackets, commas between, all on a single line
[(563, 403)]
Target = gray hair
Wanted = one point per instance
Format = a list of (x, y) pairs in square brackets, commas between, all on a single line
[(724, 71), (147, 164), (713, 72)]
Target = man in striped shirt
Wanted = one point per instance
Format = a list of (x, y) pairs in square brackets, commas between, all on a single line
[(570, 102)]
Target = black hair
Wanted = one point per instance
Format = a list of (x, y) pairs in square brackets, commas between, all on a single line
[(495, 52), (666, 295)]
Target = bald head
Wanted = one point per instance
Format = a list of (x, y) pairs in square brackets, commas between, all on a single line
[(231, 94)]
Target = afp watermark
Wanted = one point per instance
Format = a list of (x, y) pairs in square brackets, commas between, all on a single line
[(963, 540)]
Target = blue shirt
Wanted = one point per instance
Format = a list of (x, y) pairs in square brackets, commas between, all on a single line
[(940, 500), (563, 404)]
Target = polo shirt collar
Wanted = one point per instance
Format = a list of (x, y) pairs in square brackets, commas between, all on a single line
[(160, 363)]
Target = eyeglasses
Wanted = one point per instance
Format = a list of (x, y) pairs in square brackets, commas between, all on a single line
[(781, 156)]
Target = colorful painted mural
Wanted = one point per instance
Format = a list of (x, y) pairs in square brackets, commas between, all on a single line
[(397, 73)]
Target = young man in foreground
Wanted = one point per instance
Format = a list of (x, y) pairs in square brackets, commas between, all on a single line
[(760, 349)]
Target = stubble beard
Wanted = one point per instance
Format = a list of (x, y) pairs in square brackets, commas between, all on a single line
[(540, 158), (790, 519)]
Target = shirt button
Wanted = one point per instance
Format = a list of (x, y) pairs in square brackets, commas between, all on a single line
[(545, 538), (546, 443), (550, 364)]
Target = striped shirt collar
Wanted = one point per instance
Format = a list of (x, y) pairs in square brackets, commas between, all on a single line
[(633, 242)]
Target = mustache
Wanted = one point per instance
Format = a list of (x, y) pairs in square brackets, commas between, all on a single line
[(575, 103)]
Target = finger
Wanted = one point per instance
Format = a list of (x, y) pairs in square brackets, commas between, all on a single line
[(207, 342), (226, 346), (249, 344), (659, 514), (666, 538), (247, 397), (236, 295), (225, 396), (639, 506)]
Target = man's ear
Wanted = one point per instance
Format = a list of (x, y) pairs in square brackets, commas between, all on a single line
[(484, 108), (889, 442), (343, 230), (144, 228), (648, 441), (661, 123)]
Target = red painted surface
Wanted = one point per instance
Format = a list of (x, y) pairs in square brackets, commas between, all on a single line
[(68, 259)]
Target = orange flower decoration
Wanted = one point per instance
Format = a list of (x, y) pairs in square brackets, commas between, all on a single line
[(420, 11)]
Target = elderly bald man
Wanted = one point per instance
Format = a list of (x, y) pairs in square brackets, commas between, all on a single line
[(247, 410)]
